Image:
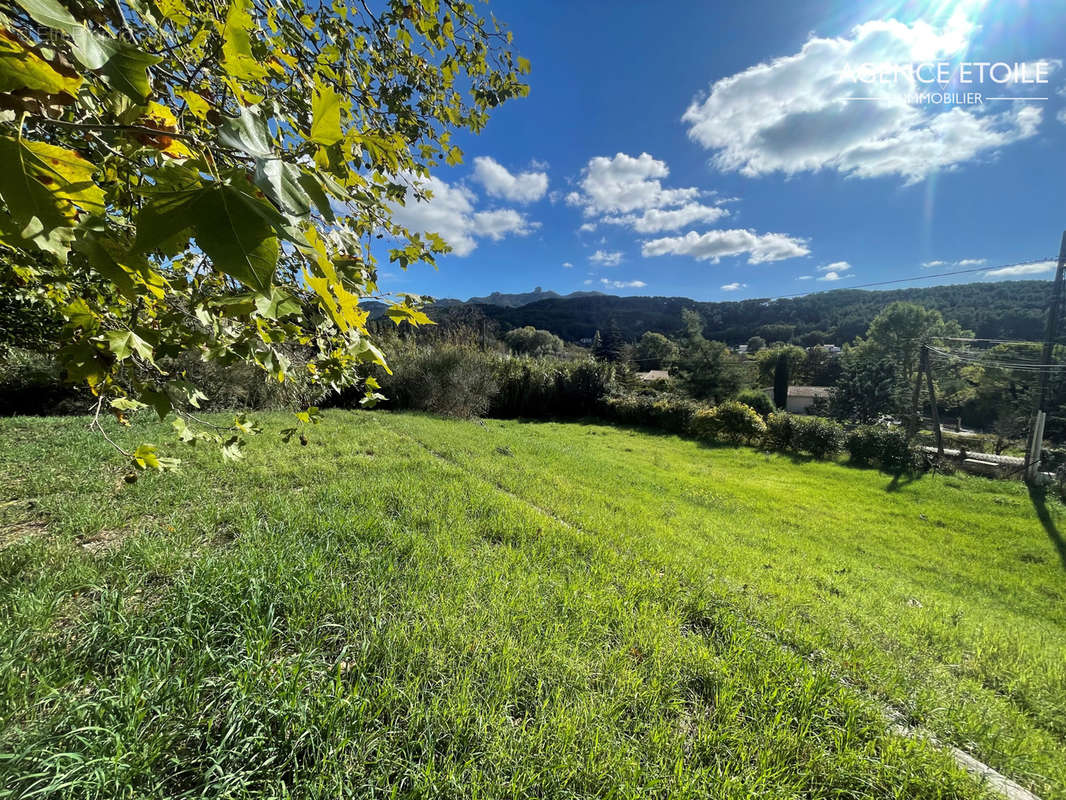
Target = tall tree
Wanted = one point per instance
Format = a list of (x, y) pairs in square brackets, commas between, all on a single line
[(655, 351), (708, 369), (782, 369), (208, 178)]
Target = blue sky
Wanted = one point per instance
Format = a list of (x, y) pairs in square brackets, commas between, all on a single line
[(707, 149)]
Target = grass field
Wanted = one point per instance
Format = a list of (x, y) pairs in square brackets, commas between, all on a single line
[(413, 607)]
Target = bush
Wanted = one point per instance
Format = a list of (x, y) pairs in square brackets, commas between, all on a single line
[(664, 412), (876, 445), (815, 435), (31, 384), (730, 420), (546, 387), (760, 401), (452, 380), (818, 436), (779, 431)]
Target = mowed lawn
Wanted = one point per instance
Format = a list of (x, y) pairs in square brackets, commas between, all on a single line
[(416, 607)]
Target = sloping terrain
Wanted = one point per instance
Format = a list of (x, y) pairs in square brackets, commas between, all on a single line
[(410, 606)]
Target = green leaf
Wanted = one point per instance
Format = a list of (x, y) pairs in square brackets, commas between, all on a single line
[(21, 68), (237, 58), (40, 184), (317, 194), (159, 401), (124, 344), (247, 133), (236, 231), (325, 115), (146, 457), (279, 303), (124, 67), (233, 449), (50, 14), (235, 236), (281, 182)]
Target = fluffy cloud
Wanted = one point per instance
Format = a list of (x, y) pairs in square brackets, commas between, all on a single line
[(791, 115), (622, 284), (732, 287), (836, 266), (567, 264), (833, 276), (451, 213), (587, 227), (1017, 270), (713, 245), (657, 220), (526, 187), (612, 259), (625, 184)]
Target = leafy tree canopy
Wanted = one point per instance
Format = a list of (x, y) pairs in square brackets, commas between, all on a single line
[(655, 351), (184, 176)]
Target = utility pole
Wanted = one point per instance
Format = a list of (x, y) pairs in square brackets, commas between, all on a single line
[(1036, 436)]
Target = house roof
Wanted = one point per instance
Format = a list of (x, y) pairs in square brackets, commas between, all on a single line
[(809, 391), (654, 375)]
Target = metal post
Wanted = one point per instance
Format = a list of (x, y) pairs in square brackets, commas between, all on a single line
[(932, 407), (915, 420), (1054, 310)]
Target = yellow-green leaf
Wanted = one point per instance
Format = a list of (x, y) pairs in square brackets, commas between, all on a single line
[(325, 115)]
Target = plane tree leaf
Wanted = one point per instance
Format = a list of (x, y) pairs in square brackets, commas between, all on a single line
[(186, 181)]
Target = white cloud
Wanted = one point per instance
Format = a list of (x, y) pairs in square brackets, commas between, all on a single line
[(622, 284), (450, 212), (791, 114), (501, 222), (525, 187), (833, 276), (607, 259), (587, 227), (805, 277), (657, 220), (624, 184), (713, 245), (567, 264), (732, 287), (1061, 116), (836, 266), (1017, 270), (965, 262)]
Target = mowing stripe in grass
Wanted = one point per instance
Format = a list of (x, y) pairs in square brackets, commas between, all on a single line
[(895, 722)]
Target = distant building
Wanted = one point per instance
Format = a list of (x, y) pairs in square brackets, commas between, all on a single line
[(801, 398), (653, 375)]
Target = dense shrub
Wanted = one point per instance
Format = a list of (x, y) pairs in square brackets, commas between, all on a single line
[(548, 388), (665, 412), (880, 446), (732, 421), (31, 384), (815, 435), (818, 436), (452, 380), (758, 400), (779, 431)]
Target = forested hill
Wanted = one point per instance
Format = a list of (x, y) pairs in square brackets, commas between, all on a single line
[(1008, 309)]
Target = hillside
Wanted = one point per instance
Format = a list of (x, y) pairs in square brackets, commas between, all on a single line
[(1000, 310), (435, 608)]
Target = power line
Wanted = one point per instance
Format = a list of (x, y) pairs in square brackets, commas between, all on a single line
[(926, 277)]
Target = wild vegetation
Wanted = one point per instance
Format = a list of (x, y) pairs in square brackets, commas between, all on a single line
[(515, 609)]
